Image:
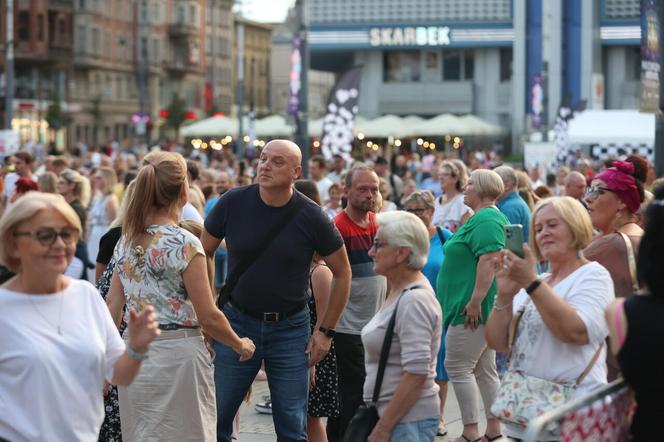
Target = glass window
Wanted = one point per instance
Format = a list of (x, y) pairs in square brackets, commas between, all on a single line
[(40, 27), (451, 65), (432, 67), (402, 66), (95, 40), (81, 38), (23, 26), (505, 64), (468, 65)]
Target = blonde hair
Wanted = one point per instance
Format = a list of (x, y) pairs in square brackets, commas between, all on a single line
[(47, 182), (122, 210), (161, 183), (453, 170), (463, 172), (572, 213), (21, 211), (110, 179), (81, 185), (192, 227), (487, 183), (423, 196), (403, 229)]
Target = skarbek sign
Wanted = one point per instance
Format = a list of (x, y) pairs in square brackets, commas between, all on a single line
[(410, 36)]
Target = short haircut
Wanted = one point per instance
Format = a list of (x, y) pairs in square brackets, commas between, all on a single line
[(381, 161), (348, 180), (649, 269), (21, 211), (24, 156), (309, 189), (507, 174), (487, 183), (59, 162), (423, 196), (403, 229), (572, 213), (320, 160)]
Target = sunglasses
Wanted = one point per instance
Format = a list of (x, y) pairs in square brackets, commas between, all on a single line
[(47, 236)]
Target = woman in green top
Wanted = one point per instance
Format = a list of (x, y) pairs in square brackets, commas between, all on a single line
[(467, 287)]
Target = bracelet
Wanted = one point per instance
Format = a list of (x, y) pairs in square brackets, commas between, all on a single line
[(136, 356), (501, 307)]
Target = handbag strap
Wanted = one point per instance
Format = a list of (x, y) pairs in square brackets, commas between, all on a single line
[(439, 231), (387, 343), (242, 267), (631, 261), (512, 333)]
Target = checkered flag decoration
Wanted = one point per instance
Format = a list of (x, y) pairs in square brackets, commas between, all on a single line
[(620, 151), (337, 137), (565, 113)]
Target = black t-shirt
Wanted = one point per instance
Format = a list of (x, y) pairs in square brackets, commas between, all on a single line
[(107, 245), (278, 279)]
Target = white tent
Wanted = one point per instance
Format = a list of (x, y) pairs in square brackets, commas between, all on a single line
[(273, 126), (386, 126), (478, 126), (444, 124), (612, 127), (217, 126)]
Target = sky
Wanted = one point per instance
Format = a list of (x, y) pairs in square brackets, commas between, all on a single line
[(270, 11)]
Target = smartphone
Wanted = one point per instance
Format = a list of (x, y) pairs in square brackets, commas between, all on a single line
[(514, 238)]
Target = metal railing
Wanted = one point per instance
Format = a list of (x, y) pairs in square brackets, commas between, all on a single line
[(613, 390)]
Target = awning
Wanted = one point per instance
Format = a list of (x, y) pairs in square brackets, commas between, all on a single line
[(629, 127)]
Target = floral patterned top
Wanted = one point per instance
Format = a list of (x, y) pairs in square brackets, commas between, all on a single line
[(154, 275)]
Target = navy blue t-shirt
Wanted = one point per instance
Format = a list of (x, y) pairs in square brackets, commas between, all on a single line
[(278, 280)]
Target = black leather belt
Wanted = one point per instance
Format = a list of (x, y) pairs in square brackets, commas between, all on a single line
[(175, 326), (268, 316)]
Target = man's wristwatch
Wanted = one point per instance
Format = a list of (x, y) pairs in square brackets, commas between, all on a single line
[(329, 332)]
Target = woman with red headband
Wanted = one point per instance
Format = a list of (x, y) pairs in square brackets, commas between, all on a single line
[(613, 201)]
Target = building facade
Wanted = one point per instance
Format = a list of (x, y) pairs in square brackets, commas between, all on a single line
[(219, 41), (482, 56), (43, 41), (257, 53)]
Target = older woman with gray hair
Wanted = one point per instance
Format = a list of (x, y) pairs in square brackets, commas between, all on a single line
[(467, 287), (408, 403)]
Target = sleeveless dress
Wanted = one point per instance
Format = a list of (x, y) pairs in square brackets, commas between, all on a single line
[(323, 398)]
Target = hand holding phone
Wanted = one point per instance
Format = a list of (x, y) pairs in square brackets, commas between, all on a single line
[(514, 239)]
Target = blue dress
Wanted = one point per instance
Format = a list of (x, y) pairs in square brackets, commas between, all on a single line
[(430, 270)]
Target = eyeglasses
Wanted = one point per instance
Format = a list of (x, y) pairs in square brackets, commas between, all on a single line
[(47, 236), (378, 244), (596, 190), (416, 210)]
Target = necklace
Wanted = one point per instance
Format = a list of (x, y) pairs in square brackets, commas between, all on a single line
[(58, 326)]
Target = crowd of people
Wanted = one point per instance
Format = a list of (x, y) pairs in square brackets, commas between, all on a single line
[(148, 292)]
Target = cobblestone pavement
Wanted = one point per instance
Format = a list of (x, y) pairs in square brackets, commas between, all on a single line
[(256, 427)]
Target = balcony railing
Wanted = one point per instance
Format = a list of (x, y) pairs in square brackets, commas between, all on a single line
[(180, 30)]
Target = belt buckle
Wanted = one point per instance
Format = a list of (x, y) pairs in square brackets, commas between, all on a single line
[(271, 316)]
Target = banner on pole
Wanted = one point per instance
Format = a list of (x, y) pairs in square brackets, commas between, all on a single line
[(294, 83), (650, 62), (337, 136)]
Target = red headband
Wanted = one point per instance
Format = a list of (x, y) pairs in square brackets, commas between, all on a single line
[(619, 180)]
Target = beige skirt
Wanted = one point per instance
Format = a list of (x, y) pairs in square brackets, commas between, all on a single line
[(173, 396)]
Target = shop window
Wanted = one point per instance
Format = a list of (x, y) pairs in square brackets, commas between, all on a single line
[(23, 26), (505, 64), (432, 66), (468, 65), (451, 65), (402, 66)]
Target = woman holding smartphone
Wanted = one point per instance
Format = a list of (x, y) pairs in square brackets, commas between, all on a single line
[(561, 327)]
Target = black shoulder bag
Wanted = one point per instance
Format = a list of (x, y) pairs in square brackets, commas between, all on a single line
[(233, 278), (366, 417)]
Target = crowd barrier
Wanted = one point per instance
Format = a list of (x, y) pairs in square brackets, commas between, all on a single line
[(604, 415)]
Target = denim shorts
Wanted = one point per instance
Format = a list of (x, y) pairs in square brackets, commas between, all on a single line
[(415, 431)]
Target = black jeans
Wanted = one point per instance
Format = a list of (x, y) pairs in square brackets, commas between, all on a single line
[(350, 367)]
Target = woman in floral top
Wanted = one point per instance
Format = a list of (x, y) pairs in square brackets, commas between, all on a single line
[(163, 265)]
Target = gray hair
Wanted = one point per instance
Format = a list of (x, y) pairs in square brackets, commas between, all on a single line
[(403, 229), (507, 174)]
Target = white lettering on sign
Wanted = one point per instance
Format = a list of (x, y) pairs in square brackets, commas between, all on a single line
[(410, 36)]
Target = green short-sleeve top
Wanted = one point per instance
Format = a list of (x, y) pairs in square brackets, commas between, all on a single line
[(482, 233)]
